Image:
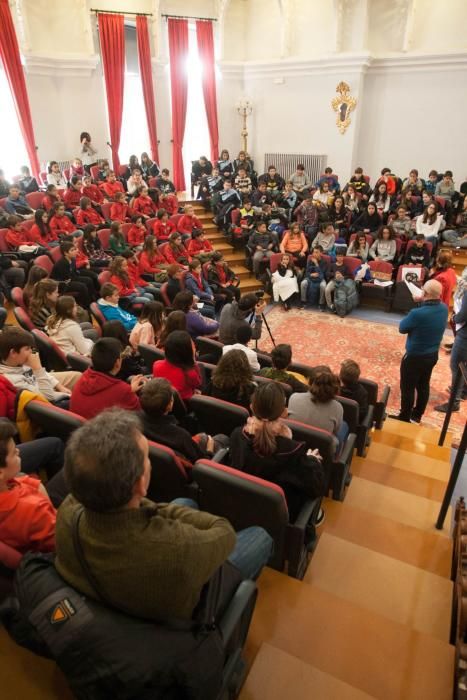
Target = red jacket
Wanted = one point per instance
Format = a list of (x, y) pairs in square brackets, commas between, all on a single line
[(7, 399), (120, 212), (111, 188), (61, 225), (149, 266), (184, 381), (88, 216), (173, 256), (27, 517), (448, 280), (134, 274), (144, 205), (196, 246), (96, 391), (162, 230), (17, 238), (48, 202), (94, 194), (81, 259), (124, 288), (37, 236), (136, 235), (186, 224), (72, 198), (170, 203)]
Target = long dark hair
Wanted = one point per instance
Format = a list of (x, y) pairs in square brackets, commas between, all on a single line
[(179, 350), (233, 372), (267, 403), (154, 313), (44, 228), (175, 321)]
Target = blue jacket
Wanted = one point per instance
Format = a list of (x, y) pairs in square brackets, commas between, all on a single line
[(461, 317), (192, 285), (115, 313), (425, 327), (12, 205)]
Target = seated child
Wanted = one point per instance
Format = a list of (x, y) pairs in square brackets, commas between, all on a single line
[(108, 306), (162, 228), (137, 233), (119, 209), (199, 246), (281, 357), (351, 388)]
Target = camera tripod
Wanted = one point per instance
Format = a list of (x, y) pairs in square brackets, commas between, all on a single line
[(268, 330)]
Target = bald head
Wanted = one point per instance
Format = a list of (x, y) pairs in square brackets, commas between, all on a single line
[(433, 289)]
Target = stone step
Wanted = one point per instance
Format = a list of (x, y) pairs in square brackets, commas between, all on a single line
[(401, 541), (369, 652), (397, 505), (277, 675), (377, 582)]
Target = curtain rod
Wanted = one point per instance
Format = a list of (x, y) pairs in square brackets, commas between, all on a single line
[(121, 12), (207, 19)]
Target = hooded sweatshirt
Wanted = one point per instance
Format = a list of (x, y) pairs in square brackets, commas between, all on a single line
[(232, 318), (69, 337), (96, 391), (113, 312)]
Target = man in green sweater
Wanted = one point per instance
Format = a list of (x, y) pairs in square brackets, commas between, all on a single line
[(149, 559)]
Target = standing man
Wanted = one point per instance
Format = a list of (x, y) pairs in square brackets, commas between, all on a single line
[(425, 327)]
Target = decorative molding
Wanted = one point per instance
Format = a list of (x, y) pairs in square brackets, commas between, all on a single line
[(419, 63), (64, 65)]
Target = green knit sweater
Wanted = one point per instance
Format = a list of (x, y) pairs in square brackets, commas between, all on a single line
[(152, 560)]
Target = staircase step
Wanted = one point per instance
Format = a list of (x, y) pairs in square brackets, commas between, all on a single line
[(396, 505), (276, 675), (406, 543), (403, 593), (402, 459), (415, 432), (380, 657), (399, 478), (414, 445)]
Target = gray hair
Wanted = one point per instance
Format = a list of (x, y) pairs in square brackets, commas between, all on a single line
[(433, 289), (103, 460)]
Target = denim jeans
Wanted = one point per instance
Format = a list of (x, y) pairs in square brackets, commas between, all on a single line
[(458, 354), (253, 550)]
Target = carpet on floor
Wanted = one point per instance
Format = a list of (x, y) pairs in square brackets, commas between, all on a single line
[(323, 338)]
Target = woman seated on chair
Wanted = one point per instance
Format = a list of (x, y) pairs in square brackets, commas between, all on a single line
[(232, 380), (284, 282), (265, 448)]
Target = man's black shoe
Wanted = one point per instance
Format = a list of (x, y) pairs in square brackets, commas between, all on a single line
[(443, 408)]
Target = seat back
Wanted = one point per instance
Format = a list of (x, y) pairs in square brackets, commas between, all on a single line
[(411, 244), (265, 380), (404, 267), (206, 370), (55, 254), (122, 169), (105, 207), (217, 416), (371, 389), (351, 412), (45, 262), (34, 199), (150, 354), (274, 261), (97, 313), (17, 298), (315, 438), (369, 238), (208, 346), (23, 318), (52, 357), (169, 478), (104, 237), (245, 501), (4, 248), (175, 218), (150, 224), (104, 277), (380, 266), (77, 362), (163, 249), (94, 170), (352, 263), (264, 359), (301, 368), (54, 421)]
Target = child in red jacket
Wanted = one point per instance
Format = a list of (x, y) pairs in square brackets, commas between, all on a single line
[(175, 251), (138, 281), (86, 214), (143, 204), (119, 210), (60, 224), (152, 262), (111, 186), (189, 222), (72, 195), (92, 191), (18, 237), (162, 228), (52, 196), (40, 232), (27, 516), (120, 277), (137, 233), (200, 246)]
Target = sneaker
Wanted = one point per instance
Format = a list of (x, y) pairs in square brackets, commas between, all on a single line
[(398, 417), (321, 518), (443, 408)]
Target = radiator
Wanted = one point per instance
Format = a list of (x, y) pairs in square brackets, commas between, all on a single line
[(64, 164), (286, 164)]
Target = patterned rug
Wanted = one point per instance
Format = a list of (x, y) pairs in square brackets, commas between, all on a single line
[(323, 338)]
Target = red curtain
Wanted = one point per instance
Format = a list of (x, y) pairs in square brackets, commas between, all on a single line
[(9, 52), (144, 58), (206, 54), (178, 50), (112, 38)]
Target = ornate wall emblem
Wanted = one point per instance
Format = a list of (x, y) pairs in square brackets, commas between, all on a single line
[(343, 105)]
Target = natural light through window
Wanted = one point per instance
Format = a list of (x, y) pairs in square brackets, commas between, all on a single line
[(13, 152), (196, 142), (134, 137)]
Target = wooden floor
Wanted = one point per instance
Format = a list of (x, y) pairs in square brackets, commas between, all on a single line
[(371, 617)]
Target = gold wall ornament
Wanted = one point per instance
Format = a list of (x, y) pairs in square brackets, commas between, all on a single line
[(343, 105)]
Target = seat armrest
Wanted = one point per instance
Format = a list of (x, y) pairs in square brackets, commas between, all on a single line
[(306, 512), (367, 422), (220, 455), (244, 596), (345, 456)]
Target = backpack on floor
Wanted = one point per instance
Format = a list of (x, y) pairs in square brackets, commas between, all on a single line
[(312, 292), (345, 296)]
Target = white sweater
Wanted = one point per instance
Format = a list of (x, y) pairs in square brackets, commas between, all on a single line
[(430, 229), (69, 337)]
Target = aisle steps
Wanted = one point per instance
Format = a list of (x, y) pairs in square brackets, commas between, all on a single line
[(371, 617)]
